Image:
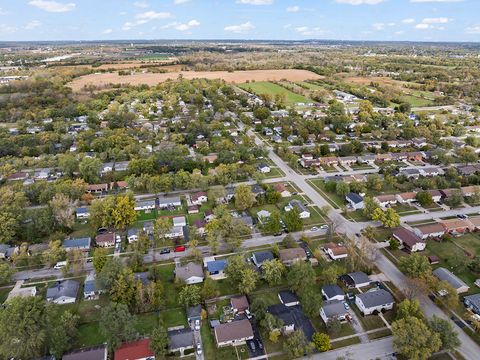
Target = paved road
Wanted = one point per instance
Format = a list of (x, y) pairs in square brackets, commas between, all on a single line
[(442, 214), (379, 349)]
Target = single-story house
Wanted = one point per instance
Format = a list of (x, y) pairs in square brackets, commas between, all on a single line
[(288, 298), (333, 309), (355, 279), (374, 301), (335, 251), (208, 215), (290, 256), (90, 353), (257, 190), (475, 220), (77, 244), (329, 160), (259, 257), (468, 191), (282, 312), (179, 221), (385, 200), (199, 198), (428, 231), (233, 333), (443, 274), (193, 209), (63, 292), (194, 313), (190, 273), (200, 226), (216, 269), (144, 205), (239, 304), (280, 188), (148, 227), (22, 292), (135, 350), (82, 213), (409, 240), (472, 302), (175, 232), (180, 340), (105, 240), (3, 250), (90, 289), (410, 173), (355, 201), (132, 234), (457, 225), (264, 168), (97, 188), (407, 197), (333, 292), (304, 213), (263, 216), (436, 195), (166, 202)]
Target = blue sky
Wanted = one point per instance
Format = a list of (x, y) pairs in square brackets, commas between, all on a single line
[(416, 20)]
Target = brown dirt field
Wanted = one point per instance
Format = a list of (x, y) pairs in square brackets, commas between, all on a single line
[(151, 79)]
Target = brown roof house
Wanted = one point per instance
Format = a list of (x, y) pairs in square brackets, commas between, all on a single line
[(475, 220), (407, 197), (409, 240), (335, 251), (429, 231), (290, 256), (105, 240), (233, 333), (239, 304), (459, 226)]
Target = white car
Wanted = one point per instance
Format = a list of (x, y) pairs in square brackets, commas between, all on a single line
[(324, 227), (197, 324), (314, 228), (199, 349)]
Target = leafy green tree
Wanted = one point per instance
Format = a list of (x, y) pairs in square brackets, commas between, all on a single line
[(273, 271), (124, 213), (448, 335), (117, 324), (55, 253), (300, 277), (190, 295), (161, 227), (289, 242), (109, 273), (63, 210), (159, 341), (424, 198), (249, 281), (62, 332), (124, 288), (391, 219), (409, 308), (90, 169), (293, 221), (270, 322), (330, 273), (210, 289), (415, 265), (413, 339), (394, 244), (370, 207), (244, 197), (12, 206), (296, 345), (273, 224), (311, 301), (6, 273), (100, 257), (342, 188), (322, 342)]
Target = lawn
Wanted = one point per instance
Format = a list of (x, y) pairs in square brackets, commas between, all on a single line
[(346, 342), (334, 200), (89, 335), (311, 86), (356, 215), (469, 242), (147, 322), (274, 173), (210, 349), (174, 317), (265, 87)]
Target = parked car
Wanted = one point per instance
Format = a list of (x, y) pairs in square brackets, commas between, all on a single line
[(260, 345), (346, 306), (199, 349), (462, 216), (252, 345), (314, 228), (248, 313), (60, 265), (324, 227), (179, 248), (197, 324), (165, 251)]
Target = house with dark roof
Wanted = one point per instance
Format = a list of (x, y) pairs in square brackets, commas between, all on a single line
[(409, 240), (239, 304), (293, 319), (356, 279), (333, 292), (82, 213), (90, 353), (216, 269), (333, 309), (233, 333), (355, 201), (257, 190), (63, 292), (303, 211), (290, 256), (288, 298), (472, 302), (77, 244), (443, 274), (259, 257), (190, 273), (180, 340), (335, 251), (374, 301), (194, 313), (134, 350), (132, 234)]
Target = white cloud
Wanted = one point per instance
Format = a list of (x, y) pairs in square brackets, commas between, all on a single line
[(307, 31), (422, 26), (187, 26), (2, 12), (408, 21), (33, 25), (439, 20), (293, 9), (378, 26), (435, 1), (240, 29), (401, 32), (178, 2), (52, 6), (360, 2), (141, 4), (473, 29), (430, 23), (107, 31), (146, 17), (7, 29), (255, 2)]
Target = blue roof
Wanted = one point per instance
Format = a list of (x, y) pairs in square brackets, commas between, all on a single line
[(90, 286), (76, 243), (82, 210), (356, 198), (217, 265)]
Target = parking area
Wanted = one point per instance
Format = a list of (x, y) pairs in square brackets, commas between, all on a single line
[(255, 346)]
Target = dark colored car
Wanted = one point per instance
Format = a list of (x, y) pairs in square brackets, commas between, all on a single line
[(179, 248), (102, 230), (165, 251)]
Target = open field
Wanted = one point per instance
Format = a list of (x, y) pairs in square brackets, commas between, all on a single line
[(153, 79), (265, 87)]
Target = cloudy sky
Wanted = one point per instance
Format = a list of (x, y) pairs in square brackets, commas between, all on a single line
[(419, 20)]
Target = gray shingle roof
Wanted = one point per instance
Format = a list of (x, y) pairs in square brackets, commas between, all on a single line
[(182, 338), (333, 308), (445, 275), (376, 298), (67, 288), (332, 290)]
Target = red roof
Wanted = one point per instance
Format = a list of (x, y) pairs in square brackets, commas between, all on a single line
[(134, 350)]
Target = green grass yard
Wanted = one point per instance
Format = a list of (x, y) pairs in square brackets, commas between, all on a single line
[(265, 87)]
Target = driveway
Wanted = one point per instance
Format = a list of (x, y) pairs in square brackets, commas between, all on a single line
[(256, 338)]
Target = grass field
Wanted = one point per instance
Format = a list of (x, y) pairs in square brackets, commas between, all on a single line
[(265, 87)]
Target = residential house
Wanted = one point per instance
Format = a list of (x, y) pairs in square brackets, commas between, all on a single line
[(347, 160), (135, 350), (199, 198), (290, 256), (288, 298), (282, 312), (263, 216), (144, 205), (457, 226), (257, 190), (180, 340), (436, 195), (82, 213), (328, 160), (77, 244), (169, 202), (409, 240), (200, 226), (216, 269), (194, 313), (443, 274), (281, 188), (308, 163), (410, 173), (335, 251), (304, 213), (356, 279), (386, 200), (21, 292), (191, 273), (431, 171), (475, 220), (63, 292), (355, 201), (366, 159), (259, 257), (97, 188), (293, 318), (376, 301), (468, 191), (406, 197), (90, 353), (246, 220), (208, 215), (179, 221), (132, 235), (428, 231), (193, 209), (105, 240), (175, 232), (264, 168), (383, 157), (239, 304), (3, 250), (233, 333), (333, 292), (472, 302), (148, 227), (333, 309)]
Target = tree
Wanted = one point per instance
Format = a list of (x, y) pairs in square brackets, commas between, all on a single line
[(90, 169), (249, 281), (321, 341), (330, 274), (273, 224), (394, 244), (455, 199), (100, 257), (300, 277), (296, 345), (161, 227), (311, 301), (289, 242), (6, 273), (190, 295), (415, 265), (408, 308), (273, 271), (210, 289), (159, 341), (110, 271), (370, 207), (413, 339), (75, 262), (244, 197), (63, 210), (448, 335), (62, 331), (293, 221), (124, 213), (374, 182), (342, 189), (124, 288), (391, 219), (424, 198), (12, 206), (116, 324), (270, 322)]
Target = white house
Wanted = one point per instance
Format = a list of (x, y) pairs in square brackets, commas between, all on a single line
[(333, 292), (335, 251), (132, 235), (82, 213), (179, 221), (264, 169), (409, 240), (190, 273), (63, 292), (374, 301), (144, 205), (199, 198), (333, 309), (355, 201), (304, 213)]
